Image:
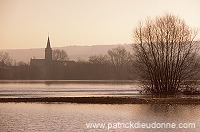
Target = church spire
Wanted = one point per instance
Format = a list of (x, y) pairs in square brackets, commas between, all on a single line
[(48, 50), (48, 43)]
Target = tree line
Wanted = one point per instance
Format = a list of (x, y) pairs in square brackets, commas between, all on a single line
[(113, 66)]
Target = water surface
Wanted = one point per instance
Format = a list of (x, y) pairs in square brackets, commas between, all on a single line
[(36, 117), (53, 117), (9, 89)]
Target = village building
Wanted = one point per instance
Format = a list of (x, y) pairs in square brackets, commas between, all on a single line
[(47, 68)]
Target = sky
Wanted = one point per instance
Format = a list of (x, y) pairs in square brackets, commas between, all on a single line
[(25, 24)]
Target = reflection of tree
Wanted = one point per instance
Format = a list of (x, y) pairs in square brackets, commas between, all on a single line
[(160, 109), (171, 111)]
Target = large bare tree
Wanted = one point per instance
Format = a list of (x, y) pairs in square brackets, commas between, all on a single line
[(166, 54)]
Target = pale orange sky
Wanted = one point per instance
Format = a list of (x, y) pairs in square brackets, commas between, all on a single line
[(26, 23)]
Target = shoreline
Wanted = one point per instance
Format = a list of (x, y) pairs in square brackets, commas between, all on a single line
[(103, 100)]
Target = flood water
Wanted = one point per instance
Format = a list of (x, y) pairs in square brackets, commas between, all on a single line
[(67, 117), (10, 89), (40, 117)]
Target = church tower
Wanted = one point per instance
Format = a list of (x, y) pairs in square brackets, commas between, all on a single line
[(48, 51)]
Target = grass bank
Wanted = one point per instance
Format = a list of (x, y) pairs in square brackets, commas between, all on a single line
[(106, 100)]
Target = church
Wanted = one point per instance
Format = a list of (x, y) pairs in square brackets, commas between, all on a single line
[(47, 68)]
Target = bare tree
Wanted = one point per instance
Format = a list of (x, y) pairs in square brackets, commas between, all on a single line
[(5, 58), (101, 66), (166, 54), (98, 59), (119, 58), (60, 55)]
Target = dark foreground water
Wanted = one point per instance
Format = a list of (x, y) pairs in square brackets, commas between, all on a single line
[(40, 117)]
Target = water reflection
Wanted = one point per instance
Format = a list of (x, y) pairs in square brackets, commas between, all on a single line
[(174, 110), (72, 117), (161, 109)]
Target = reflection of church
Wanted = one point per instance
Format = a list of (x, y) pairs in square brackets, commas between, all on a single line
[(48, 68)]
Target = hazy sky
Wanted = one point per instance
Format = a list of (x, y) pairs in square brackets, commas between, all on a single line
[(26, 23)]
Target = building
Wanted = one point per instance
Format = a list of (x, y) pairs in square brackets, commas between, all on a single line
[(48, 68)]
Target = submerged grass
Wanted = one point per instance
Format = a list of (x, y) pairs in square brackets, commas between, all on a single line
[(106, 100)]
